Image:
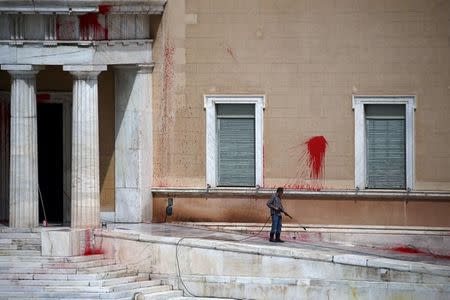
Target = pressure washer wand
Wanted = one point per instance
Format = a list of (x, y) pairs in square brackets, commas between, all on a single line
[(288, 215)]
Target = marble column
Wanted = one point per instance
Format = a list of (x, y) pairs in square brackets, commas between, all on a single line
[(85, 194), (133, 145), (23, 191)]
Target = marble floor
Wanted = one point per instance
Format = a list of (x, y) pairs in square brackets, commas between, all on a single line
[(184, 231)]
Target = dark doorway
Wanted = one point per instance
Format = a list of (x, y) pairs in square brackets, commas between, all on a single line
[(50, 161)]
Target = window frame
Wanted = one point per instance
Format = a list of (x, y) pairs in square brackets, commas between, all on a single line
[(358, 103), (210, 102)]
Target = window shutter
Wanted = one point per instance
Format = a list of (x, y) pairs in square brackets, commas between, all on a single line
[(236, 145), (386, 153)]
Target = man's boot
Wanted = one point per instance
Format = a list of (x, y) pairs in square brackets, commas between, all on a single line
[(278, 240), (271, 237)]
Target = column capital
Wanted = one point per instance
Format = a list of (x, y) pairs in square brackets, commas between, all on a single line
[(85, 71), (22, 70)]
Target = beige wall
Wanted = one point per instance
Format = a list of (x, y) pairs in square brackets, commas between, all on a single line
[(308, 58), (383, 212)]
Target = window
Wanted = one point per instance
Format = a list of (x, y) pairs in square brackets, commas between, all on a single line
[(234, 141), (385, 146), (384, 142)]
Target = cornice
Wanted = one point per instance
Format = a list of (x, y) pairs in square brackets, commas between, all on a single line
[(82, 6)]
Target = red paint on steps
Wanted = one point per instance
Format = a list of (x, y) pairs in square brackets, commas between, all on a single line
[(413, 250)]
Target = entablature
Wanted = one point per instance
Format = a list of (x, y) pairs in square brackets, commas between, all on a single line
[(43, 32)]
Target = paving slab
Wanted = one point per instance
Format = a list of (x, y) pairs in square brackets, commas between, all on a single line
[(357, 255)]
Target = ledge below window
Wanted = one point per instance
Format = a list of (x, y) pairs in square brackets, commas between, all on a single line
[(303, 194)]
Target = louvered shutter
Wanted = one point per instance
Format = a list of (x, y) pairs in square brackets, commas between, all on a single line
[(236, 145), (386, 161)]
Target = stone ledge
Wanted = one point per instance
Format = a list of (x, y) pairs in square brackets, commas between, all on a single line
[(387, 195), (281, 251)]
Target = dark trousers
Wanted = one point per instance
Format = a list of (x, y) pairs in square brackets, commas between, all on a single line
[(276, 224)]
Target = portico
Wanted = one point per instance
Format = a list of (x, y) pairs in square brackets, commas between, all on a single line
[(35, 41)]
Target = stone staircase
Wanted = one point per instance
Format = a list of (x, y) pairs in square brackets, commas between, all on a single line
[(25, 274)]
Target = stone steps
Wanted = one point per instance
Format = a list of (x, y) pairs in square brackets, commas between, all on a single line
[(53, 259), (58, 265), (59, 276), (108, 289), (33, 236), (164, 295), (26, 274), (93, 294), (20, 252), (80, 264), (8, 247)]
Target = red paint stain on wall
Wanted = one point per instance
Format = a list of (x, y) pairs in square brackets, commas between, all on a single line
[(66, 28), (88, 249), (304, 187), (310, 165), (104, 9), (90, 26), (166, 111), (168, 70), (317, 146), (42, 97), (230, 52)]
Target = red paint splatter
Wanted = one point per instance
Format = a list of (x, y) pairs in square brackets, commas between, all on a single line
[(406, 250), (168, 71), (88, 249), (104, 9), (231, 53), (42, 97), (89, 23), (413, 250), (310, 165), (314, 187), (317, 146), (166, 111)]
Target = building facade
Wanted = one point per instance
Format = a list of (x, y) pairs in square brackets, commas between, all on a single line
[(215, 103)]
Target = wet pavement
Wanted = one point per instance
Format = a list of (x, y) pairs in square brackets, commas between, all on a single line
[(260, 238)]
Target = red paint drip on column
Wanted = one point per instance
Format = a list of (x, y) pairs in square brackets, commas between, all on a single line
[(317, 146)]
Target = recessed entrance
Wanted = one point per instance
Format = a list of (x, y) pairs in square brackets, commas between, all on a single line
[(50, 161)]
